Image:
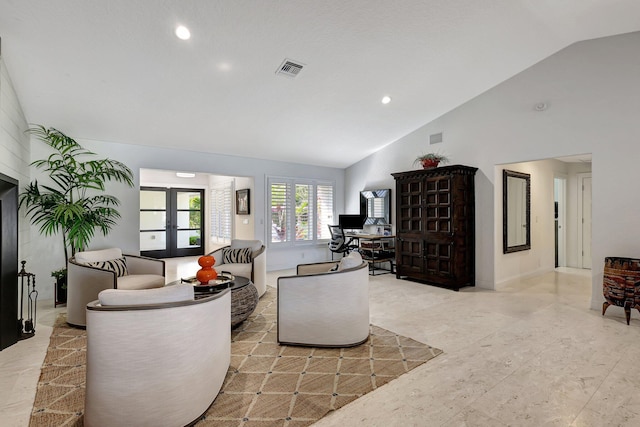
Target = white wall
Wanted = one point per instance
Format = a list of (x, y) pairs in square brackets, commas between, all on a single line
[(49, 253), (14, 156), (593, 96), (244, 224)]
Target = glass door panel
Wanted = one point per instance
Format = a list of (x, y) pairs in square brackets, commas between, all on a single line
[(188, 200), (153, 220), (153, 199), (153, 241), (188, 239), (183, 220)]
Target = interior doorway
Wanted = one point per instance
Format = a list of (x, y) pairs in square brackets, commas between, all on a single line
[(560, 219), (219, 223)]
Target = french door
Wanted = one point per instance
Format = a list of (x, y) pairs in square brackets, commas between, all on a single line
[(171, 222)]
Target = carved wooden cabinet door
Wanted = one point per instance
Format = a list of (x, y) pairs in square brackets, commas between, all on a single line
[(409, 248)]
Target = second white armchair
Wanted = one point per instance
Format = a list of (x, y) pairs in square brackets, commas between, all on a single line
[(250, 262), (323, 308)]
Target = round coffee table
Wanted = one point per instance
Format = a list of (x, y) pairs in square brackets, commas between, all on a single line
[(244, 297)]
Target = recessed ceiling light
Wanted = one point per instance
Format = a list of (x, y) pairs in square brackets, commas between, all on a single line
[(386, 99), (183, 32), (185, 175), (224, 66)]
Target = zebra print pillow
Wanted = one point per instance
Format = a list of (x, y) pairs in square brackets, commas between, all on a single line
[(119, 265), (236, 256)]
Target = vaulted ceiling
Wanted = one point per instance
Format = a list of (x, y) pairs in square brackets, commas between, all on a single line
[(115, 71)]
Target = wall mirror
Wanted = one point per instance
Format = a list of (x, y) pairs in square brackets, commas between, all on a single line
[(516, 211), (375, 205)]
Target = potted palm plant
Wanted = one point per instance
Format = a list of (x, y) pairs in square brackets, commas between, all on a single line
[(431, 160), (73, 203)]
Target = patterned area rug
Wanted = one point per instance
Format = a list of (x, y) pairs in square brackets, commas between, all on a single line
[(267, 384)]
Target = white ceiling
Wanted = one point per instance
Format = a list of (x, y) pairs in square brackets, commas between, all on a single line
[(114, 71)]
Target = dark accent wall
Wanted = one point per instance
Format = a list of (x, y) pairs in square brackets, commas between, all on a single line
[(9, 332)]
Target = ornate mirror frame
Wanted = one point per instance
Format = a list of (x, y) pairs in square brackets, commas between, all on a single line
[(516, 230), (375, 205)]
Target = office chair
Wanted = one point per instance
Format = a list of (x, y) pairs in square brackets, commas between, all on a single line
[(339, 244)]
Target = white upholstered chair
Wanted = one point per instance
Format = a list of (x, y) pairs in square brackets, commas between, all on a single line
[(254, 268), (155, 357), (322, 308), (90, 272)]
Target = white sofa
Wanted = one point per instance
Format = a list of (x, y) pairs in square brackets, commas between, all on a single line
[(85, 279), (256, 269), (161, 363), (320, 308)]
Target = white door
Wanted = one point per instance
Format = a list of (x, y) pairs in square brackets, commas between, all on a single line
[(584, 219)]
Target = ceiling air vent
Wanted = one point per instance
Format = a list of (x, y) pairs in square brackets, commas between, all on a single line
[(289, 68), (436, 138)]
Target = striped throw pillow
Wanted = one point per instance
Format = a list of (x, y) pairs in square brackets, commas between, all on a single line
[(119, 265), (236, 256)]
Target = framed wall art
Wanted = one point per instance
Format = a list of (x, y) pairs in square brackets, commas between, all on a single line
[(242, 202)]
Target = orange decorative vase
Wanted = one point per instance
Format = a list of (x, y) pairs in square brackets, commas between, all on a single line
[(207, 272)]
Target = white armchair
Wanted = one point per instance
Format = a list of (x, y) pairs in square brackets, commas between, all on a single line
[(322, 308), (90, 272), (155, 357), (254, 268)]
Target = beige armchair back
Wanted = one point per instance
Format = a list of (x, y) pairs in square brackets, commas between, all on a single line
[(321, 308), (159, 364), (256, 269), (87, 275)]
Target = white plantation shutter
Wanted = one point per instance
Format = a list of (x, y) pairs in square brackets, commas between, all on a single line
[(304, 212), (281, 210), (221, 211), (324, 211), (300, 210)]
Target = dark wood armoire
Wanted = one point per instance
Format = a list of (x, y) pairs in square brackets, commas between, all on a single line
[(435, 226)]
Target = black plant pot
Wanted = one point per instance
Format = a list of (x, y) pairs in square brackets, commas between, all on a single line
[(61, 290)]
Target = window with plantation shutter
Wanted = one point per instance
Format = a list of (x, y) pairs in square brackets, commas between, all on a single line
[(300, 210)]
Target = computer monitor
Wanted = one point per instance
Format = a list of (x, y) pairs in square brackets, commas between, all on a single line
[(351, 222)]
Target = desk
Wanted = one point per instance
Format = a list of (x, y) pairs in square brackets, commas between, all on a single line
[(376, 249)]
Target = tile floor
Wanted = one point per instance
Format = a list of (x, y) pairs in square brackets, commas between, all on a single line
[(529, 354)]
